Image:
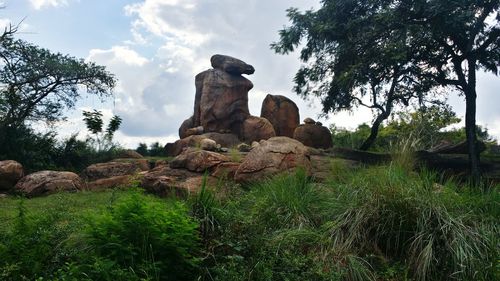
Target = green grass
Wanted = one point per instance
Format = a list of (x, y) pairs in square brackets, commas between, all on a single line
[(365, 223)]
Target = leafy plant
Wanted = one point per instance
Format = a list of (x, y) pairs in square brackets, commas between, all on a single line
[(102, 140)]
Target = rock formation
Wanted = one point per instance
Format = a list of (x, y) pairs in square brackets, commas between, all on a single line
[(256, 129), (10, 173), (46, 182), (276, 155), (221, 106), (313, 134), (283, 114)]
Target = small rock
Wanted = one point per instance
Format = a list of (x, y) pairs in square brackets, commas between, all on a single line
[(243, 147), (194, 131), (208, 144), (309, 121)]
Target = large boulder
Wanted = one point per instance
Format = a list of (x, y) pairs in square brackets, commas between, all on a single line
[(112, 182), (256, 129), (186, 125), (231, 65), (112, 169), (283, 114), (313, 135), (198, 160), (164, 181), (221, 101), (46, 182), (129, 153), (276, 155), (10, 173)]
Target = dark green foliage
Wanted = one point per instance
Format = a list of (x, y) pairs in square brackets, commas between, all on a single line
[(381, 223), (146, 237), (137, 237), (101, 140), (38, 84), (427, 127), (36, 151), (155, 149), (389, 51)]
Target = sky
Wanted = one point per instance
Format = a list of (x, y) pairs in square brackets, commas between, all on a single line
[(156, 47)]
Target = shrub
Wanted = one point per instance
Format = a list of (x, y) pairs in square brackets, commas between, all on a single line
[(147, 237)]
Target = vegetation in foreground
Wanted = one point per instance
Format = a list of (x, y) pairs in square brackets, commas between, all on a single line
[(378, 223)]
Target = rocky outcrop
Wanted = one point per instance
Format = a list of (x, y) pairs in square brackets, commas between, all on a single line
[(278, 154), (10, 173), (46, 182), (164, 181), (313, 134), (198, 160), (283, 114), (226, 170), (225, 140), (112, 182), (113, 169), (256, 129), (221, 102), (231, 65)]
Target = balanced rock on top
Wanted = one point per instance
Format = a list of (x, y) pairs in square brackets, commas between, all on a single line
[(231, 65)]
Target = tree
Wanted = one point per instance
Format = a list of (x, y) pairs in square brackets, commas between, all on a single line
[(354, 57), (457, 38), (441, 43), (102, 140), (142, 149), (37, 85)]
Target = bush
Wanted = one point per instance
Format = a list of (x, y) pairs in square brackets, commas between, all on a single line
[(137, 237), (146, 237)]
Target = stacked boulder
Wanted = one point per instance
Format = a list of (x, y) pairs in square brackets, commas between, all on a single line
[(221, 108)]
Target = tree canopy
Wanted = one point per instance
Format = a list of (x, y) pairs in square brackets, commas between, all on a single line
[(37, 85), (389, 51)]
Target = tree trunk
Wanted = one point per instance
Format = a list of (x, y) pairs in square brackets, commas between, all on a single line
[(374, 131), (470, 123)]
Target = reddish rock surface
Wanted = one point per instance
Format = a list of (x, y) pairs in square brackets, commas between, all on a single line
[(313, 135), (283, 114), (46, 182), (198, 160), (221, 101), (117, 167), (186, 125), (112, 182), (164, 181), (226, 170), (276, 155), (256, 129)]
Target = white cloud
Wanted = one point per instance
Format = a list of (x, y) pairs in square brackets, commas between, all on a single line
[(39, 4), (120, 54)]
